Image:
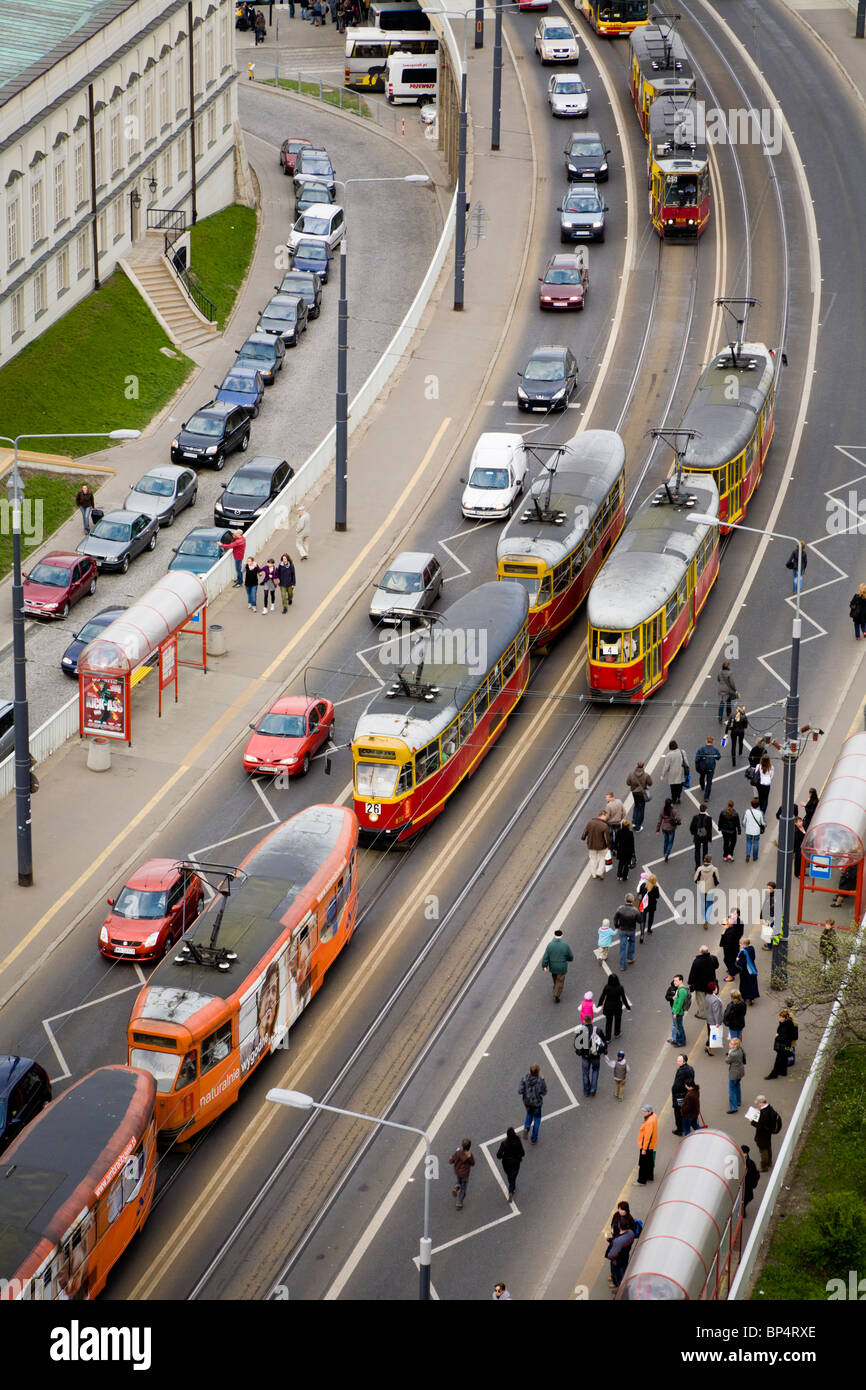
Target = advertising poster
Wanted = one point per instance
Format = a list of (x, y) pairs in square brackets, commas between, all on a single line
[(102, 705)]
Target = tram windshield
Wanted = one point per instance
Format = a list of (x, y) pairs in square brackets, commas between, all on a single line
[(615, 646), (163, 1066), (375, 779), (680, 193)]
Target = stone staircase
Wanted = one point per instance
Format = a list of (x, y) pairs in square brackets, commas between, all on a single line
[(156, 282)]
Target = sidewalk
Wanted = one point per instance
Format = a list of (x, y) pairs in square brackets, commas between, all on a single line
[(832, 24), (401, 453)]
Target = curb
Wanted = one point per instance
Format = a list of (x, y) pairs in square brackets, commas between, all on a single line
[(830, 54)]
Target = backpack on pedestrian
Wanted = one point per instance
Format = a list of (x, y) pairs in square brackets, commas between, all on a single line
[(582, 1039), (532, 1092), (777, 1122), (670, 992), (701, 760), (638, 1227), (687, 1002)]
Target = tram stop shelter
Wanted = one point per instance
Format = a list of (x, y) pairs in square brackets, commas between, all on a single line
[(145, 636), (831, 871)]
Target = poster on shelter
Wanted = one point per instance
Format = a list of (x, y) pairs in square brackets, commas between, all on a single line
[(103, 706)]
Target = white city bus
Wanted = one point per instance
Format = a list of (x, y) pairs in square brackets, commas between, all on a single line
[(368, 50)]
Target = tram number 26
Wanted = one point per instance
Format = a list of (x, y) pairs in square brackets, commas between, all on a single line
[(373, 808)]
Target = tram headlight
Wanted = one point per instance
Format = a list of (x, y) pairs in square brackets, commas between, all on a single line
[(373, 816)]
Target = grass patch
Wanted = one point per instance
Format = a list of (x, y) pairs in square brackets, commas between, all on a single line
[(221, 248), (821, 1233), (51, 498), (97, 368), (331, 96)]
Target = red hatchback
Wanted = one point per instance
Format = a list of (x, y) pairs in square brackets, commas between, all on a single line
[(289, 734), (56, 582), (289, 151), (153, 910), (565, 281)]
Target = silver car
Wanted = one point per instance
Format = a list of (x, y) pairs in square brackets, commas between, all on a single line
[(163, 492), (567, 96), (581, 214), (410, 586), (118, 538)]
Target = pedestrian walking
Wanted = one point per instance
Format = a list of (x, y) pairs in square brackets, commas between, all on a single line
[(647, 1142), (500, 1291), (734, 1017), (260, 27), (607, 937), (751, 1177), (639, 783), (714, 1011), (462, 1161), (556, 959), (84, 501), (302, 525), (615, 814), (620, 1069), (590, 1047), (704, 967), (756, 752), (237, 545), (705, 762), (728, 691), (736, 727), (690, 1110), (766, 773), (796, 563), (701, 831), (317, 22), (707, 880), (730, 828), (286, 581), (767, 1123), (597, 839), (268, 586), (827, 946), (587, 1008), (857, 612), (799, 837), (754, 826), (666, 825), (510, 1154), (684, 1074), (625, 922), (675, 771), (811, 807), (624, 850), (623, 1234), (768, 916), (305, 10), (251, 581), (787, 1034), (648, 894), (729, 941), (748, 971), (677, 1001), (533, 1089), (735, 1059), (611, 1002)]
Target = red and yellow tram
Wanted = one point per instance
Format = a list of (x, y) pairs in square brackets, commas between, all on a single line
[(247, 968), (615, 18), (678, 169), (645, 602), (556, 544), (454, 688), (659, 67)]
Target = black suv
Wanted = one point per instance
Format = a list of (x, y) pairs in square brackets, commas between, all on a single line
[(211, 434), (306, 283), (253, 487)]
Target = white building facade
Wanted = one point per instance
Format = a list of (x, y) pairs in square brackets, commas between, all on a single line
[(109, 110)]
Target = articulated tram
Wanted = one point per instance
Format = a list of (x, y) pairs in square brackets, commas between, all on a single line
[(678, 169), (615, 18), (448, 703), (557, 542), (659, 67), (645, 602)]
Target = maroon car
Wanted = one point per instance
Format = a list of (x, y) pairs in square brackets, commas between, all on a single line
[(565, 281), (56, 582), (289, 151)]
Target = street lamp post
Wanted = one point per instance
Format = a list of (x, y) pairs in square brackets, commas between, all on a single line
[(297, 1100), (21, 712), (784, 858), (341, 504)]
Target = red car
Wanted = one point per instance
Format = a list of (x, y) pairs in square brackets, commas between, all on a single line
[(289, 151), (565, 282), (56, 582), (152, 911), (286, 738)]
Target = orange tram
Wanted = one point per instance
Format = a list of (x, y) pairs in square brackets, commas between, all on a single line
[(615, 18), (678, 170), (557, 543), (76, 1186), (645, 602), (454, 688), (247, 968), (659, 67)]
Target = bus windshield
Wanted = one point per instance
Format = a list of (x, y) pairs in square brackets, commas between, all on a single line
[(375, 779)]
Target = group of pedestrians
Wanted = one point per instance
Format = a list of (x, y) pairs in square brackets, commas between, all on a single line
[(343, 13), (273, 575)]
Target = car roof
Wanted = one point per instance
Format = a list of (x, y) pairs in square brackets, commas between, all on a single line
[(285, 298), (585, 135), (322, 210), (549, 350), (59, 557), (318, 150), (293, 704), (304, 246), (412, 560), (213, 408), (565, 258), (153, 874), (208, 532), (259, 338), (241, 370), (263, 463), (122, 514), (298, 140), (165, 470)]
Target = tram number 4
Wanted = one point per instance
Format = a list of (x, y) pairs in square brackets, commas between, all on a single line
[(373, 808)]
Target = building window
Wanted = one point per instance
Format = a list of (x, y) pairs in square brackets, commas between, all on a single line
[(39, 293), (13, 249), (132, 131), (98, 157), (78, 173), (209, 57), (164, 113), (198, 140), (227, 110), (166, 169), (60, 190), (148, 112), (17, 314), (225, 39), (211, 125), (36, 232), (196, 64), (101, 234), (115, 155), (63, 270), (82, 250), (117, 218), (179, 84)]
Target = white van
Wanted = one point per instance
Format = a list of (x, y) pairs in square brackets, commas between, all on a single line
[(411, 77)]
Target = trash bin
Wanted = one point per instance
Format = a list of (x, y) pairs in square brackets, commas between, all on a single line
[(99, 755), (216, 640)]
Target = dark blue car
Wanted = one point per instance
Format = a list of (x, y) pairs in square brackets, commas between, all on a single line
[(242, 386), (312, 255), (24, 1089), (93, 628)]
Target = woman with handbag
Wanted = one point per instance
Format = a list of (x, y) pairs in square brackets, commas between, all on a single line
[(766, 772), (748, 971), (736, 1062), (714, 1016), (667, 825), (787, 1034), (736, 727)]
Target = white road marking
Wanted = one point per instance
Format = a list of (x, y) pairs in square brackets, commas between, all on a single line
[(79, 1008)]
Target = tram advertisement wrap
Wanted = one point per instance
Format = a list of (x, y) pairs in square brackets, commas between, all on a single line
[(103, 706), (264, 1013)]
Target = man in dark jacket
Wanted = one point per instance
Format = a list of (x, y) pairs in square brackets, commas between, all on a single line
[(704, 967), (730, 944), (705, 762), (701, 831), (638, 783), (766, 1125), (533, 1089), (597, 838), (751, 1179), (625, 922), (683, 1073), (556, 959)]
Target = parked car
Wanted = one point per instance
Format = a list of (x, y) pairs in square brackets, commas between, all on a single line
[(163, 492), (567, 96), (252, 488), (211, 434), (242, 386), (316, 162), (200, 549), (264, 352), (93, 628), (312, 256), (413, 583), (308, 193), (118, 538), (152, 911), (287, 738), (586, 157), (556, 42), (286, 315), (7, 728), (534, 4), (582, 215), (323, 222), (497, 475), (289, 151), (56, 582), (307, 283), (24, 1089), (549, 379), (565, 282)]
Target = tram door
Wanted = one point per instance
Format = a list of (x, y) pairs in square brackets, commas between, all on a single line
[(735, 498), (657, 199), (652, 645)]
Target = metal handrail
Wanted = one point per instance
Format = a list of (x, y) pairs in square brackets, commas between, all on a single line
[(174, 226), (166, 220), (200, 300)]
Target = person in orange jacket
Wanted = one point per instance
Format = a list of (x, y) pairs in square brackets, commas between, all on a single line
[(648, 1142)]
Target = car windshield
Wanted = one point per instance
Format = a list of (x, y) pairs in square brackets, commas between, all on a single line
[(283, 725), (112, 530), (241, 486), (312, 251), (316, 226), (562, 277), (558, 31), (315, 164), (295, 146), (154, 487), (401, 582), (572, 86), (204, 424), (135, 903), (244, 384), (587, 149), (488, 477), (314, 193), (581, 205), (198, 545), (55, 575), (259, 352), (374, 780), (544, 369), (298, 280), (276, 310)]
